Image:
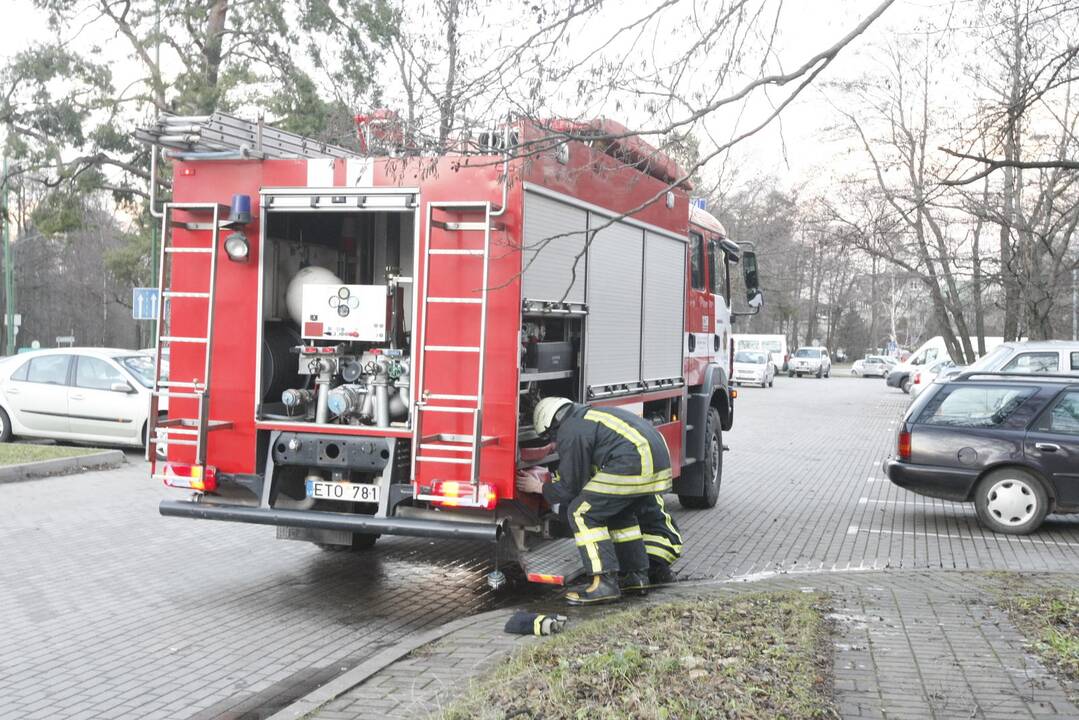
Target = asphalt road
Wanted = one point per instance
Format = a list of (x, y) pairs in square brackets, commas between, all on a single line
[(109, 610)]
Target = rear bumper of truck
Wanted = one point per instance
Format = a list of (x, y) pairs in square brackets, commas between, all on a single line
[(322, 520)]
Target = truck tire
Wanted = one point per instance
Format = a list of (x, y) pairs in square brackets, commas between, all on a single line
[(713, 466), (5, 426)]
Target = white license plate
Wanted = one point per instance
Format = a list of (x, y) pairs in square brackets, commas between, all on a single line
[(349, 492)]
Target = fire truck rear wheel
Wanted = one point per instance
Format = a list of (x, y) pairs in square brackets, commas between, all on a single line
[(360, 541), (713, 466)]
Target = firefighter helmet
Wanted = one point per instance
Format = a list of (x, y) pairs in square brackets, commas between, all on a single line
[(545, 411)]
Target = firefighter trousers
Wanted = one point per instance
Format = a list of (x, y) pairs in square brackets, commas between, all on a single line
[(607, 533), (662, 538)]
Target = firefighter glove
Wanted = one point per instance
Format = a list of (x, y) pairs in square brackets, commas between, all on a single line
[(532, 480), (523, 622)]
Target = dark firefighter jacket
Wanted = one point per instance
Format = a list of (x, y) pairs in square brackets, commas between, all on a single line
[(609, 451)]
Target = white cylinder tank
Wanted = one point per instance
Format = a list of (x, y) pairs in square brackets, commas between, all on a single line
[(310, 275)]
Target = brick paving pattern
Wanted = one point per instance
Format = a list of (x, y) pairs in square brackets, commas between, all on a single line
[(109, 610)]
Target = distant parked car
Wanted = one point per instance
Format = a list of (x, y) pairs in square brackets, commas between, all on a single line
[(1008, 443), (872, 366), (810, 361), (924, 378), (754, 367), (93, 395)]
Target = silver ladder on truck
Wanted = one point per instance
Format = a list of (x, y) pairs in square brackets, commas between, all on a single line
[(183, 430), (462, 449)]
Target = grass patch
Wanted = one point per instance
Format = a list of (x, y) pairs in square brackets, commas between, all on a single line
[(762, 655), (1050, 620), (18, 453)]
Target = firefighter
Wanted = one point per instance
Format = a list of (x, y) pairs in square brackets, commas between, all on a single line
[(662, 539), (612, 465)]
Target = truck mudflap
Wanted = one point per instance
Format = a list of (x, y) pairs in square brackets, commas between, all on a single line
[(322, 520)]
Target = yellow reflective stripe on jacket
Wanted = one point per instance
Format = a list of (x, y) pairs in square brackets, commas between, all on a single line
[(626, 534), (629, 433), (537, 625), (608, 484), (590, 547)]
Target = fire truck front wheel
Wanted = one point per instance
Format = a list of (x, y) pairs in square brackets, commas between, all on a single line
[(712, 468)]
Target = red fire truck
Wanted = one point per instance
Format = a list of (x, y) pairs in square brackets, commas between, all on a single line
[(364, 358)]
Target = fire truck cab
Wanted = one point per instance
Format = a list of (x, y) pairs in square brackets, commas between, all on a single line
[(356, 342)]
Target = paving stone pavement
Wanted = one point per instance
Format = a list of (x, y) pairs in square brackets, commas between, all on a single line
[(909, 644), (109, 610)]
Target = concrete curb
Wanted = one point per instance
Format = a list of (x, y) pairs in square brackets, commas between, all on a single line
[(377, 663), (102, 460)]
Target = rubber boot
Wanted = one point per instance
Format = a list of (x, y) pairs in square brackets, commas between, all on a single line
[(660, 574), (602, 589), (633, 583)]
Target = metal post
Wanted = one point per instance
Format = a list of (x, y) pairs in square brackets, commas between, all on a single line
[(9, 270), (1075, 303)]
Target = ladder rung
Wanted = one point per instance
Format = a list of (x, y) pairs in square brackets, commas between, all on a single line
[(455, 251), (446, 448), (176, 338), (443, 396), (176, 431), (454, 226), (177, 294), (450, 348), (166, 393), (177, 383), (174, 441), (451, 461), (470, 301), (188, 250), (438, 408)]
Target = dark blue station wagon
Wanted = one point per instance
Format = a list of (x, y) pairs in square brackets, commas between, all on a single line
[(1008, 443)]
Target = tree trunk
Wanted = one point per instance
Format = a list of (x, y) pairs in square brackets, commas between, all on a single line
[(212, 55)]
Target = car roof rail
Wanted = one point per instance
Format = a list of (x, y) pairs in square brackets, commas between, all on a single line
[(1018, 376)]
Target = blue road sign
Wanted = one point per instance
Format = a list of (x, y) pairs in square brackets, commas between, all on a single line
[(144, 303)]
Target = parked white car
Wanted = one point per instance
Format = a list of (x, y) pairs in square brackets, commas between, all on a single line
[(810, 361), (873, 366), (92, 395), (754, 367), (923, 378), (1054, 357)]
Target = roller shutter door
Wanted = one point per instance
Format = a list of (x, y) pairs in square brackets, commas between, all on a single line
[(613, 327), (664, 286), (550, 273)]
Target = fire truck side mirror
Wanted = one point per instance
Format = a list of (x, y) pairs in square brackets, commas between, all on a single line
[(753, 285)]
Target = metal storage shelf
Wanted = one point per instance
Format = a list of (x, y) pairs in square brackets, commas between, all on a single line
[(535, 376)]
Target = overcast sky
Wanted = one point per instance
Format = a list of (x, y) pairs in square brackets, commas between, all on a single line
[(795, 149)]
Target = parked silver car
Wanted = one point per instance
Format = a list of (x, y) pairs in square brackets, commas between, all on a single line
[(94, 395), (873, 366), (810, 361)]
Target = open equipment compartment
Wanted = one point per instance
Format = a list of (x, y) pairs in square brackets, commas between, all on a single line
[(336, 306)]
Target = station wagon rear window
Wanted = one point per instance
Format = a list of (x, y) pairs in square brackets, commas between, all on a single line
[(1064, 417), (975, 406)]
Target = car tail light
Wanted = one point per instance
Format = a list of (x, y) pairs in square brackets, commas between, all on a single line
[(917, 378), (903, 446), (452, 493), (193, 477)]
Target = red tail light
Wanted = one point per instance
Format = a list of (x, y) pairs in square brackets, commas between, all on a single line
[(903, 448), (451, 493), (917, 378), (193, 477)]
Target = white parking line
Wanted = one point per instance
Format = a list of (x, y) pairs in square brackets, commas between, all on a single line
[(919, 503), (981, 538), (876, 479)]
